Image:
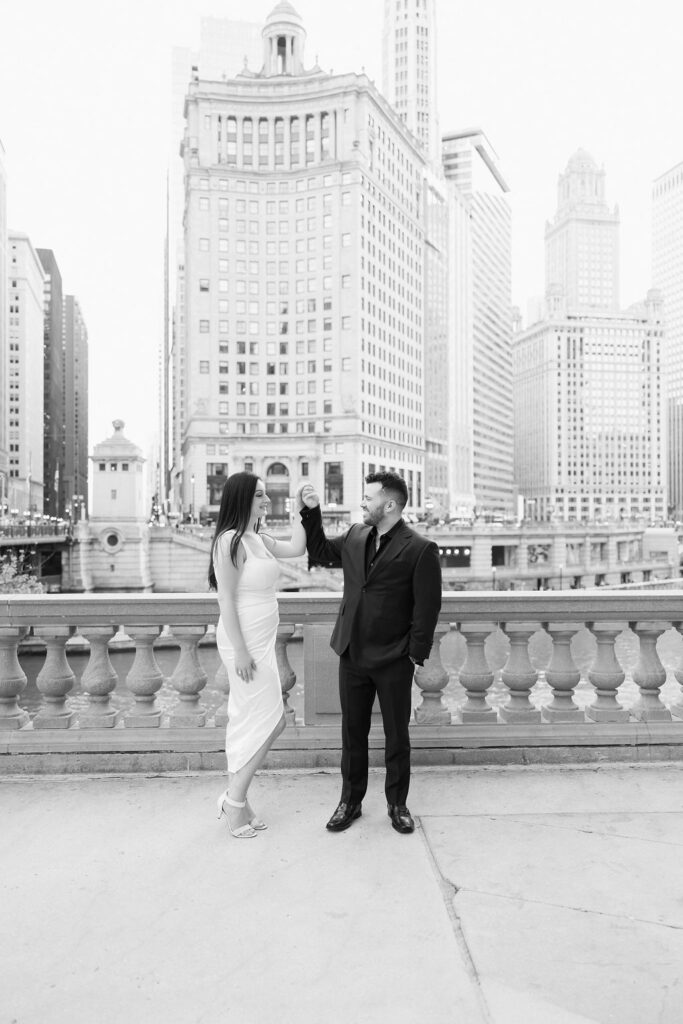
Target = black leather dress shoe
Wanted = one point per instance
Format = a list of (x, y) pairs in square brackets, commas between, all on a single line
[(343, 816), (401, 818)]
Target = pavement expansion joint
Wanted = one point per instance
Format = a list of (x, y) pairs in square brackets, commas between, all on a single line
[(449, 891)]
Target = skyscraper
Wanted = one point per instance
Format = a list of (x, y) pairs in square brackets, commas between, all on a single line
[(582, 242), (481, 279), (53, 390), (302, 337), (590, 435), (4, 462), (75, 407), (667, 275), (438, 344), (409, 69), (26, 328)]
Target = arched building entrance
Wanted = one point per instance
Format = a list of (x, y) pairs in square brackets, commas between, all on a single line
[(277, 486)]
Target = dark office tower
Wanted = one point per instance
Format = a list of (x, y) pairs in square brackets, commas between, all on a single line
[(53, 400), (75, 478)]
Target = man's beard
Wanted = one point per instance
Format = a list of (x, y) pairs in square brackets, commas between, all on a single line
[(373, 518)]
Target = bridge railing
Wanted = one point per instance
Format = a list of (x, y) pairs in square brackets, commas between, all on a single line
[(498, 699)]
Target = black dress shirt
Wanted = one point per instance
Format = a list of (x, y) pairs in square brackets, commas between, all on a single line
[(373, 550)]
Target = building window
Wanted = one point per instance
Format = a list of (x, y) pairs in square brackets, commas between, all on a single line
[(334, 483)]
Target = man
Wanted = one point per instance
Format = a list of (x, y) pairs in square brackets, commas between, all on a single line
[(386, 622)]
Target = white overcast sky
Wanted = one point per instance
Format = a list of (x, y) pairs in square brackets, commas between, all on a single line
[(84, 119)]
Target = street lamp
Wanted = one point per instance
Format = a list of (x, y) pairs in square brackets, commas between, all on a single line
[(493, 577), (192, 502), (561, 584)]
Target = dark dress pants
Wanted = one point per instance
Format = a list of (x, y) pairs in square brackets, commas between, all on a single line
[(357, 688)]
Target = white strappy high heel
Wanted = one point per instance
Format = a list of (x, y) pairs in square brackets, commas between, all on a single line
[(243, 831), (257, 824)]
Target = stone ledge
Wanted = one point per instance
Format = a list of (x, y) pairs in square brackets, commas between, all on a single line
[(157, 762), (168, 749), (315, 737)]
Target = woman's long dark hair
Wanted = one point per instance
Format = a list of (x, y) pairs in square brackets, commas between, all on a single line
[(234, 514)]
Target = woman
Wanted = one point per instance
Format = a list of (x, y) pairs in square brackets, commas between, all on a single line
[(244, 571)]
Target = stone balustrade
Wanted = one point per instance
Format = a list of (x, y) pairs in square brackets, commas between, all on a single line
[(498, 716)]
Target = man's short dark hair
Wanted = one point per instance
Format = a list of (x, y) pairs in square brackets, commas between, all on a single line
[(394, 484)]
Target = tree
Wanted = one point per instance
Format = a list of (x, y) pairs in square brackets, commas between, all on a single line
[(14, 579)]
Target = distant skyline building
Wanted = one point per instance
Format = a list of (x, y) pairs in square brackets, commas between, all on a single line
[(482, 294), (460, 365), (25, 392), (438, 344), (667, 275), (301, 338), (409, 79), (4, 456), (590, 432), (582, 241), (75, 408), (53, 391)]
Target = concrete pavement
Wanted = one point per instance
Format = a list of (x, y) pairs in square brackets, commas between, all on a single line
[(528, 895)]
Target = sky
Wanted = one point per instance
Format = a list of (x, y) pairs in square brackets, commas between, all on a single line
[(85, 124)]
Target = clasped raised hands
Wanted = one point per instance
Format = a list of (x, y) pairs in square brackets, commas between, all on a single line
[(307, 496)]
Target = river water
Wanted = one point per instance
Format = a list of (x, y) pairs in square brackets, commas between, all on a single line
[(669, 647)]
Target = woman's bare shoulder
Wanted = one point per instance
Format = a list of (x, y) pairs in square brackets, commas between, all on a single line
[(223, 542)]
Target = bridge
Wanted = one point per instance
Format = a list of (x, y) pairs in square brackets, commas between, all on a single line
[(542, 883), (37, 546)]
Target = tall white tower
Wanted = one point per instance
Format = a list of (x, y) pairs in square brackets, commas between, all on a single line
[(480, 257), (4, 463), (409, 68), (114, 541), (667, 275), (582, 242), (24, 490), (297, 358)]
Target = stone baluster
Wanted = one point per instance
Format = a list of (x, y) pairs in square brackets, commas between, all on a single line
[(562, 675), (99, 680), (475, 676), (606, 674), (432, 678), (188, 679), (55, 679), (285, 670), (676, 708), (650, 674), (144, 680), (12, 679), (519, 674), (223, 684)]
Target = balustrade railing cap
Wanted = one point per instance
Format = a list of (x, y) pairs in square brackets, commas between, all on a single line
[(150, 609), (594, 606)]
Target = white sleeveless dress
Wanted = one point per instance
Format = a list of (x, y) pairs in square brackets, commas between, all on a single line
[(254, 708)]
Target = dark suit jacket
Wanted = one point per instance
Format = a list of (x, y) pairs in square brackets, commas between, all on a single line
[(394, 610)]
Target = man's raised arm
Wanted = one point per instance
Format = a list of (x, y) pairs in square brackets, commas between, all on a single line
[(321, 550)]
